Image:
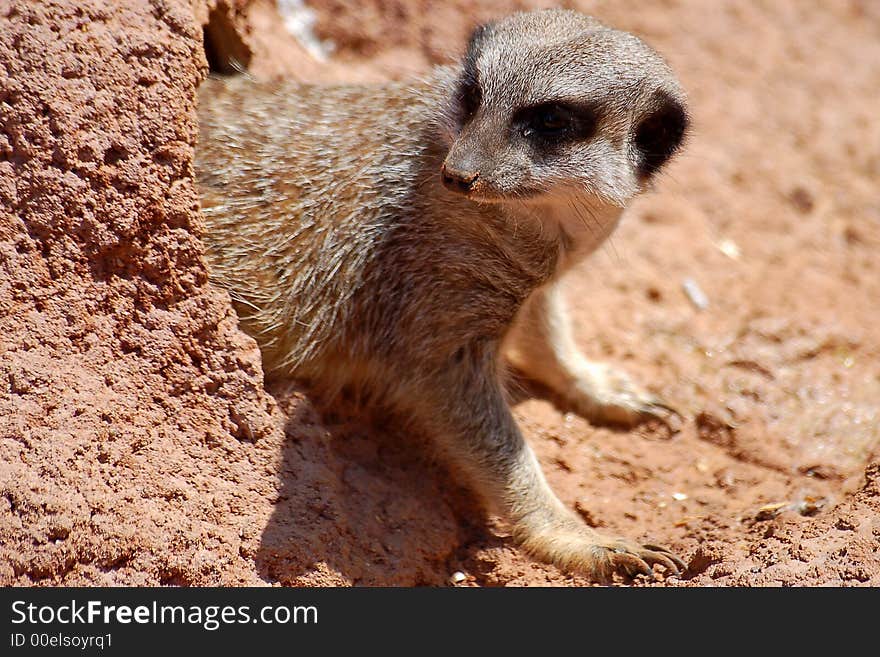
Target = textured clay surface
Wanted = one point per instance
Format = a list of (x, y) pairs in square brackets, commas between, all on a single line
[(138, 445)]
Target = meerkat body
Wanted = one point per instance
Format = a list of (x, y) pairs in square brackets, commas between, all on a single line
[(407, 240)]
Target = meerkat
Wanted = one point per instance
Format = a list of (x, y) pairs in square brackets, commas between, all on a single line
[(407, 240)]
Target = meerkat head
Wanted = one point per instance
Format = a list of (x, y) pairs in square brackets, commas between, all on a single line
[(551, 104)]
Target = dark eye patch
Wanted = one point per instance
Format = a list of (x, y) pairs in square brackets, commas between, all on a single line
[(556, 122), (469, 94), (469, 97)]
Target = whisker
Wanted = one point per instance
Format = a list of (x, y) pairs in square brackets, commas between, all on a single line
[(574, 207), (614, 254)]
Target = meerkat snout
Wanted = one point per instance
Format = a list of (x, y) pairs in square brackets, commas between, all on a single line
[(458, 180)]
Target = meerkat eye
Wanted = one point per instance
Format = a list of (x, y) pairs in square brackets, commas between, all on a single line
[(469, 93), (554, 122), (550, 120), (470, 98)]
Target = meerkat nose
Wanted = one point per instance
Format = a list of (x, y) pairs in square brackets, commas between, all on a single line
[(458, 181)]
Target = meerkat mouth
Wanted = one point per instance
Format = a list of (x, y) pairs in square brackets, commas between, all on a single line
[(475, 186), (530, 196), (479, 191)]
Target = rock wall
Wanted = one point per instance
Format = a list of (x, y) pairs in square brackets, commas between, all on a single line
[(135, 434)]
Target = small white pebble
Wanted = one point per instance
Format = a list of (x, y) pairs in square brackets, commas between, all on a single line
[(679, 497), (695, 294), (300, 21), (729, 248), (457, 577)]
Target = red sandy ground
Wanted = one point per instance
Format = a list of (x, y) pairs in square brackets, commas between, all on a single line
[(137, 445)]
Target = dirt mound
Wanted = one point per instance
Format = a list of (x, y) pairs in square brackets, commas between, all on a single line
[(138, 445)]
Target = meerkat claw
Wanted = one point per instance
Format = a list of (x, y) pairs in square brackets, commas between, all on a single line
[(679, 565), (656, 410), (633, 560), (632, 565)]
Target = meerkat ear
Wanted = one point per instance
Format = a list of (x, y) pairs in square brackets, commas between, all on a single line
[(659, 135)]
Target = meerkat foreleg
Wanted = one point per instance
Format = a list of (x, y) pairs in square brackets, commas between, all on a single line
[(478, 433), (541, 345)]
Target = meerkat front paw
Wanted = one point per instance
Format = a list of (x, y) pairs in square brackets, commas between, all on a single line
[(605, 395), (627, 557), (599, 557)]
